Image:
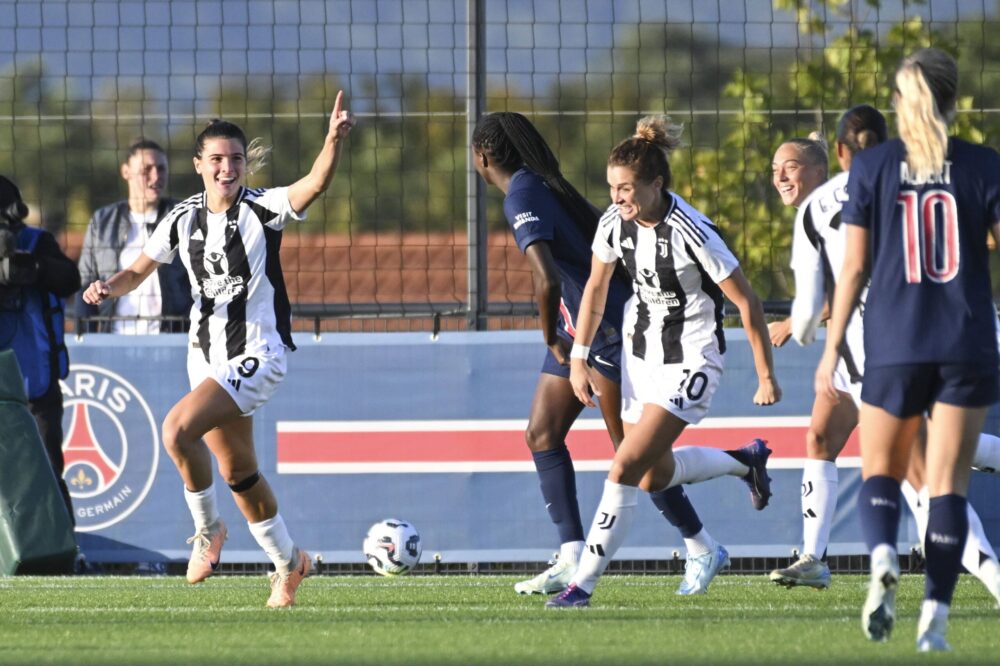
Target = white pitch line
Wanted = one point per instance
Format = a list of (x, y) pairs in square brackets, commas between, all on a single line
[(376, 608)]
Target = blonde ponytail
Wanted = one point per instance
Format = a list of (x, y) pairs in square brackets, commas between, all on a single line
[(926, 88)]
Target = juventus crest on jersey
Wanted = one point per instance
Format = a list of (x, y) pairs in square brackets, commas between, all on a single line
[(676, 266), (240, 301)]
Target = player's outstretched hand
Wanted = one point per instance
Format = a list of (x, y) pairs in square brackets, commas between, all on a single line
[(768, 392), (342, 120), (583, 387), (96, 292)]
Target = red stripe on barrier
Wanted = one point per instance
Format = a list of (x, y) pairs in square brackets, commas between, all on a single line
[(505, 445)]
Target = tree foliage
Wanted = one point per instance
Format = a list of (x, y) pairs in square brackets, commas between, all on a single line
[(404, 171)]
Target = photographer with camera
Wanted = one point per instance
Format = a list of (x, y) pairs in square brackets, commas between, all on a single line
[(35, 276)]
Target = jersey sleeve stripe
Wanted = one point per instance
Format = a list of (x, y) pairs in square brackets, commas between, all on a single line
[(607, 224), (173, 218), (689, 229), (265, 215)]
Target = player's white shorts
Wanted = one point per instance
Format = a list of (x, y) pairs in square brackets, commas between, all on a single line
[(250, 380), (683, 389), (842, 382)]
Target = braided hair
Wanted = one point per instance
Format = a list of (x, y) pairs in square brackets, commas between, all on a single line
[(511, 141)]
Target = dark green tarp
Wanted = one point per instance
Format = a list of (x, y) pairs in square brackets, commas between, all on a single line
[(36, 536)]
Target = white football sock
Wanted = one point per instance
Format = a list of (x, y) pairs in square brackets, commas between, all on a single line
[(989, 574), (609, 529), (819, 504), (919, 503), (700, 543), (272, 535), (694, 464), (202, 506), (932, 611), (975, 544), (570, 551), (987, 458)]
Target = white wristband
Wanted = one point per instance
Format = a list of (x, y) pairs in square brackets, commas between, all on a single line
[(580, 351)]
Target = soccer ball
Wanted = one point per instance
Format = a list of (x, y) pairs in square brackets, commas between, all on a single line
[(392, 547)]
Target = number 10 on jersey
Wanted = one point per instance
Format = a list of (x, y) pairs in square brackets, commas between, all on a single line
[(930, 235)]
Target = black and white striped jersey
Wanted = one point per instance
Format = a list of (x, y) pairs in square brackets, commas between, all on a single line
[(240, 301), (677, 306), (819, 243)]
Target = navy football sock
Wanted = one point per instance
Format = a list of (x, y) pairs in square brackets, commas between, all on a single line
[(557, 479), (947, 528), (879, 508), (675, 506)]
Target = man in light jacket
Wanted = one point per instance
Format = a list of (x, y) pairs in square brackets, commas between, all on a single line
[(115, 237)]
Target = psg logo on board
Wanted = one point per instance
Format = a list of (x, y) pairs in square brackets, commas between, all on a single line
[(111, 445)]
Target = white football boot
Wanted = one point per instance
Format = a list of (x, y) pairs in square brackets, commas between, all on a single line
[(551, 581), (879, 612), (807, 571), (701, 570)]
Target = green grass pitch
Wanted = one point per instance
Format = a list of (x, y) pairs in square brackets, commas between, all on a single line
[(467, 620)]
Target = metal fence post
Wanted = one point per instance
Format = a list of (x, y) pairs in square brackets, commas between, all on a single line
[(475, 103)]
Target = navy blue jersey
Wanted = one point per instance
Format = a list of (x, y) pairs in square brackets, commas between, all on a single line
[(930, 299), (535, 214)]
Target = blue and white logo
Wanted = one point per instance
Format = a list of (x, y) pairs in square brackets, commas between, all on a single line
[(111, 446)]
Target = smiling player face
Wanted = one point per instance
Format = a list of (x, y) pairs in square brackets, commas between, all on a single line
[(222, 167), (636, 200), (792, 176)]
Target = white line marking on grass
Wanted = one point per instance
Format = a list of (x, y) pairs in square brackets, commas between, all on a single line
[(373, 608), (239, 582)]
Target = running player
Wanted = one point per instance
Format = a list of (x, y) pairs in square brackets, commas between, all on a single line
[(919, 210), (554, 225), (817, 255), (674, 343), (228, 238)]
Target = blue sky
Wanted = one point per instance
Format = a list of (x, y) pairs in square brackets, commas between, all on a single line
[(179, 49)]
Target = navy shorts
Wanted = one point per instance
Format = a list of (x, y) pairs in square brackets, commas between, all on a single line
[(910, 389), (606, 360)]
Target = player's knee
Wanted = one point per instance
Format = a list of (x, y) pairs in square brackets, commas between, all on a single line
[(243, 482), (817, 445), (175, 434), (657, 480), (625, 474), (540, 439)]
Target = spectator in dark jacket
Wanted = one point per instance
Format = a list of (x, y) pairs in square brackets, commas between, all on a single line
[(35, 276), (115, 238)]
